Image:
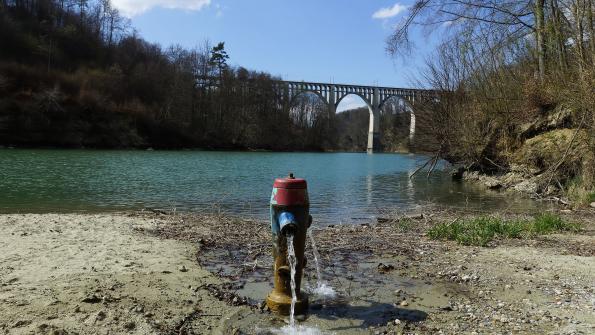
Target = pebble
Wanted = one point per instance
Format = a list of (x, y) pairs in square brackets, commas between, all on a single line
[(129, 325), (397, 322), (100, 316), (404, 303), (183, 269), (593, 205)]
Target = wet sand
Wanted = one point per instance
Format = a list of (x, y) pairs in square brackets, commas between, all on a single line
[(143, 273)]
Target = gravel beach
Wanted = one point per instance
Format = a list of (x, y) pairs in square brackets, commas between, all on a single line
[(156, 273)]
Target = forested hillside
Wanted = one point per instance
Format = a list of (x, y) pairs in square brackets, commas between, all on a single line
[(518, 90), (73, 73)]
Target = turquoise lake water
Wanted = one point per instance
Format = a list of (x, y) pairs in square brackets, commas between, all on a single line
[(343, 187)]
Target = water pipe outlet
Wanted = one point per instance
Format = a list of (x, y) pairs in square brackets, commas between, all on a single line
[(287, 223)]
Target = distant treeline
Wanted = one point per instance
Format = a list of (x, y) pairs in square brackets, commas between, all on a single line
[(74, 73)]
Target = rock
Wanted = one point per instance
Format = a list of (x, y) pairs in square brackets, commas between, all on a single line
[(100, 316), (592, 205), (383, 268), (492, 183), (404, 303), (183, 269), (129, 325), (21, 323), (92, 299), (397, 322), (527, 186)]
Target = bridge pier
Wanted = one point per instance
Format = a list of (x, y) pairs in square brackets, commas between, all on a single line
[(374, 128), (332, 102), (374, 132)]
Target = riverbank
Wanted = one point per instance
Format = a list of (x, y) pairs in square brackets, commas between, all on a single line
[(160, 273)]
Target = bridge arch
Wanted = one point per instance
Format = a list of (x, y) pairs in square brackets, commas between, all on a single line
[(297, 94), (408, 103), (362, 97)]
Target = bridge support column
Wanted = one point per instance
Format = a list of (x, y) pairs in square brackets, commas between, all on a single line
[(412, 124), (332, 102), (374, 130)]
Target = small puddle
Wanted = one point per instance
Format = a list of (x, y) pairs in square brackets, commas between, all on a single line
[(350, 291), (364, 298)]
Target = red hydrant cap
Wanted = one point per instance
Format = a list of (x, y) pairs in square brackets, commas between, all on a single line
[(290, 191), (290, 183)]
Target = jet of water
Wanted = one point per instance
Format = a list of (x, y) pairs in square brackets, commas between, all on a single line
[(316, 257), (322, 288), (292, 260)]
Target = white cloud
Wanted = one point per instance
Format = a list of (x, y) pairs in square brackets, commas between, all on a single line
[(388, 12), (131, 8)]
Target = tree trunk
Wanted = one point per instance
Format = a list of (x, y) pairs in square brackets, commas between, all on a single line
[(558, 38), (539, 35), (579, 39), (590, 9)]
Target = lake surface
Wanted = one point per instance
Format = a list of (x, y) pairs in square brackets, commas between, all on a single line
[(343, 187)]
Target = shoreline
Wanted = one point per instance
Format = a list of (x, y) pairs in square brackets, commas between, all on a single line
[(142, 273)]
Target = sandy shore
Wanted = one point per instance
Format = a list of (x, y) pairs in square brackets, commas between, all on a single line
[(185, 274), (96, 274)]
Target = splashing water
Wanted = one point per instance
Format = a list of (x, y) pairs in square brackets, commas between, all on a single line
[(292, 260), (299, 330), (322, 289), (292, 329)]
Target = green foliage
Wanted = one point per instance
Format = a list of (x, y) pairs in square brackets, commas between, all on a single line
[(219, 56), (549, 223), (482, 230)]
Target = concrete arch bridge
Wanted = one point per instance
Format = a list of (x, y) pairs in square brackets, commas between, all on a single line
[(374, 97)]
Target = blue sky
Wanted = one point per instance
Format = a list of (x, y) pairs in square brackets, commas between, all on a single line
[(341, 41)]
